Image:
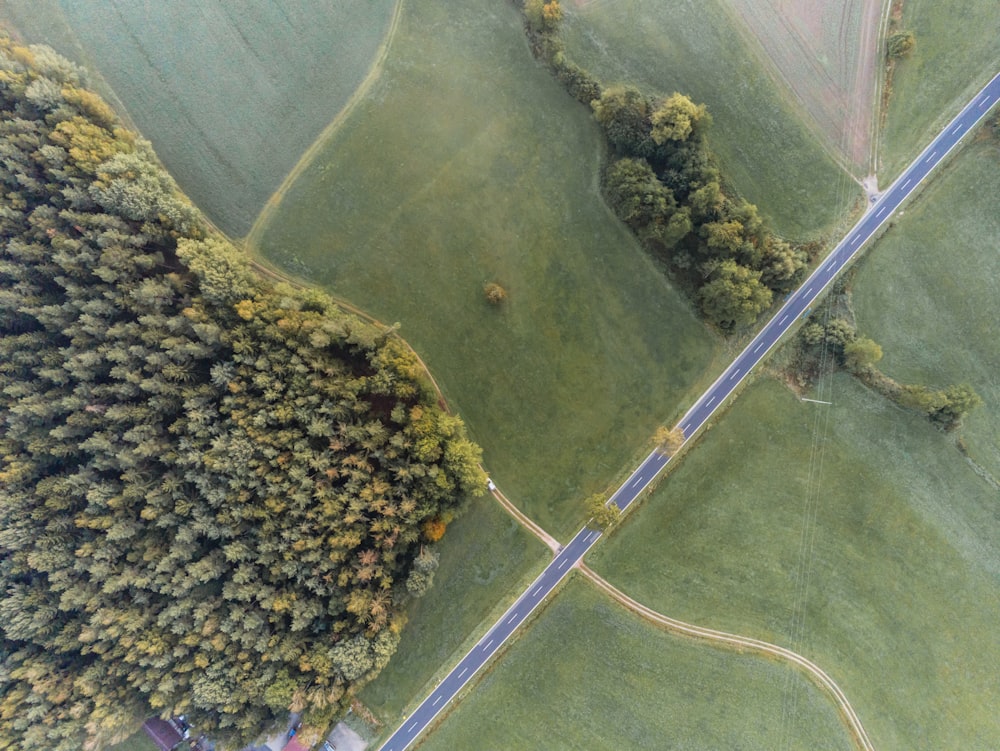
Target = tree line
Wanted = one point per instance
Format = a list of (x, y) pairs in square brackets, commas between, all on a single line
[(663, 182), (838, 341), (216, 494)]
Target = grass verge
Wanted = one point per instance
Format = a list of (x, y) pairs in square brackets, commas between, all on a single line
[(854, 534), (589, 674), (759, 134), (467, 164), (230, 94), (957, 51)]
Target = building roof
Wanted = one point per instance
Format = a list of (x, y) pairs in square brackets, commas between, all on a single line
[(164, 734), (294, 745)]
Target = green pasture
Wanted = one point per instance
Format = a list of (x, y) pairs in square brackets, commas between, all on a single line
[(484, 557), (759, 134), (590, 675), (853, 533), (930, 292), (467, 163), (138, 742), (230, 94), (957, 52)]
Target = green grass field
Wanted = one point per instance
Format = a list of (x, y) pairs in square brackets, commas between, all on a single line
[(930, 292), (230, 94), (590, 675), (468, 163), (484, 557), (957, 52), (855, 534), (763, 145), (138, 742)]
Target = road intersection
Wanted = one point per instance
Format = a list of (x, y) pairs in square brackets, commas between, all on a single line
[(796, 306)]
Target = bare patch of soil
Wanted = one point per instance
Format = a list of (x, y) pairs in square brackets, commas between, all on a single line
[(827, 52)]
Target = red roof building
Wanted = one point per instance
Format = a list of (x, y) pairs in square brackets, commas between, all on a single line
[(163, 733)]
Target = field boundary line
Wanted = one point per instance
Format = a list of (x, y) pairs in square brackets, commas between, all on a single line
[(877, 123), (740, 644), (309, 155)]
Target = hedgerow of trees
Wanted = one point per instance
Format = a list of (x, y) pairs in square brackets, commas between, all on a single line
[(664, 184), (215, 494), (837, 341)]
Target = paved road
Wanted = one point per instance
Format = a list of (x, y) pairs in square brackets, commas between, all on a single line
[(796, 306)]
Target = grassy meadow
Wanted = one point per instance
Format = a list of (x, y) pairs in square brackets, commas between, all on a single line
[(484, 558), (853, 533), (957, 52), (759, 133), (589, 674), (467, 163), (138, 742), (930, 292), (230, 94)]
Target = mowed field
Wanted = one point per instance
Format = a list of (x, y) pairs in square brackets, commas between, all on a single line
[(957, 51), (828, 54), (759, 130), (853, 533), (590, 675), (230, 94), (467, 164), (930, 292)]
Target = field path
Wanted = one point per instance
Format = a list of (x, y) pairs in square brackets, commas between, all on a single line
[(715, 638), (260, 223), (742, 644)]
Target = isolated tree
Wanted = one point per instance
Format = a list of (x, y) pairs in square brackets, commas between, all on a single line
[(422, 575), (601, 515), (669, 440), (900, 44), (495, 294)]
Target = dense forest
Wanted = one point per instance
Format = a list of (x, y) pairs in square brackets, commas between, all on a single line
[(663, 182), (216, 494)]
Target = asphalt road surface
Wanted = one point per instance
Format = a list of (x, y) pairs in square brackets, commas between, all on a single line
[(796, 306)]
